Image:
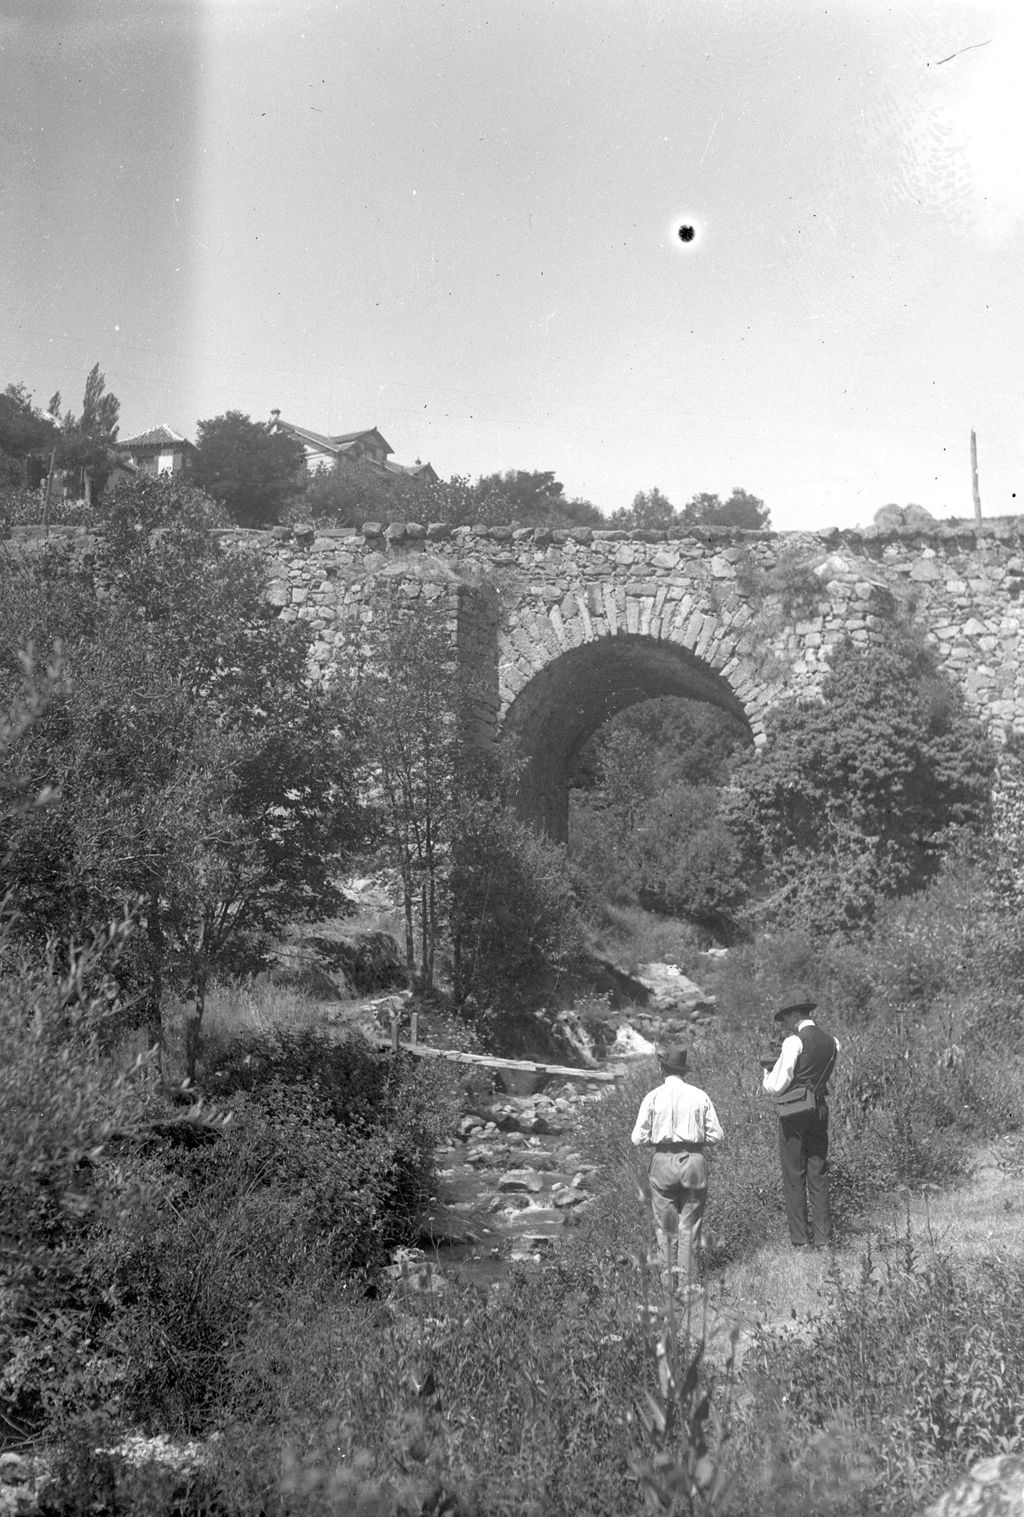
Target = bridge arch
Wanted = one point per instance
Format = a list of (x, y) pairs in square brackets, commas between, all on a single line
[(563, 674)]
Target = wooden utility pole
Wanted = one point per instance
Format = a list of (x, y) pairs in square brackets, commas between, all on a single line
[(46, 497), (974, 478)]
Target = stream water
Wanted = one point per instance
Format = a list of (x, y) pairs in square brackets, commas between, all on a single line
[(506, 1195)]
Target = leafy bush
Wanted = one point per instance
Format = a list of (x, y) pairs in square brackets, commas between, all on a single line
[(926, 1359), (286, 1196), (533, 1399), (852, 799), (200, 780), (66, 1112)]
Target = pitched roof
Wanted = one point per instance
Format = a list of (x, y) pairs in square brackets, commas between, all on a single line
[(341, 442), (349, 437), (412, 471), (158, 437)]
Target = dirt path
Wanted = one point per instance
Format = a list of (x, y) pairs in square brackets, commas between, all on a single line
[(982, 1215)]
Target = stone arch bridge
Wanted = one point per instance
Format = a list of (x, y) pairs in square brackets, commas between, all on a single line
[(563, 628)]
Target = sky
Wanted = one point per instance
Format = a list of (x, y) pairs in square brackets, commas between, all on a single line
[(457, 221)]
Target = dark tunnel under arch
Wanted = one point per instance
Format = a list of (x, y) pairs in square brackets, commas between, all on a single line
[(572, 696)]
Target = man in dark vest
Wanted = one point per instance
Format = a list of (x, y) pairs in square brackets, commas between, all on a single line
[(807, 1058)]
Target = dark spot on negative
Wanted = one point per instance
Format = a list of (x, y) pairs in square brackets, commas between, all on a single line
[(686, 234)]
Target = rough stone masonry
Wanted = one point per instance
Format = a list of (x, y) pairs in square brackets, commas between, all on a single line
[(562, 628), (566, 627)]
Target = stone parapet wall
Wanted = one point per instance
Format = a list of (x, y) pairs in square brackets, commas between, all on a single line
[(709, 592), (566, 626)]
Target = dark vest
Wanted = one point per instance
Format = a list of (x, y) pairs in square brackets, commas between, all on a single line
[(814, 1058)]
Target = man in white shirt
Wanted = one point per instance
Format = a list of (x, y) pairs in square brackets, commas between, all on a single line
[(678, 1122), (807, 1058)]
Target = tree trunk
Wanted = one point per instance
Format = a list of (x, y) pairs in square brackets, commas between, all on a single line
[(424, 937), (431, 916), (193, 1027), (154, 1000), (410, 928)]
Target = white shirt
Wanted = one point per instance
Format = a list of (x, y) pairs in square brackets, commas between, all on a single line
[(675, 1112), (776, 1080)]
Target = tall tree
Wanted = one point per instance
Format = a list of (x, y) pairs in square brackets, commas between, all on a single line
[(202, 779), (253, 471), (86, 443), (410, 704), (27, 438)]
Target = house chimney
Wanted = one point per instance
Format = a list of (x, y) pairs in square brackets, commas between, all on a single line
[(275, 417)]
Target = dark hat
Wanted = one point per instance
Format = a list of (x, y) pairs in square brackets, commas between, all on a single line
[(673, 1060), (794, 1000)]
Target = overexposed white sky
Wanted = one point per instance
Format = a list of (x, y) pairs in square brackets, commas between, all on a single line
[(456, 220)]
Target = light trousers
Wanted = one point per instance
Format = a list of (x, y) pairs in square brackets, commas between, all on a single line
[(679, 1192)]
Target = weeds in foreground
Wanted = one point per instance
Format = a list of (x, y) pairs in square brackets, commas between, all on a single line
[(246, 1310)]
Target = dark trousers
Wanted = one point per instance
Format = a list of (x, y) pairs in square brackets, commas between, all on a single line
[(803, 1151)]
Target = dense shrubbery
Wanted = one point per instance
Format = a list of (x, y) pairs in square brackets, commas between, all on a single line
[(143, 1239), (204, 785), (853, 799), (915, 1370)]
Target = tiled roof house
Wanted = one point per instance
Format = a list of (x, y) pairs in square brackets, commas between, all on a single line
[(159, 451), (367, 447)]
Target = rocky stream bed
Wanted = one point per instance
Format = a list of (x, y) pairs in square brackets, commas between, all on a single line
[(510, 1183)]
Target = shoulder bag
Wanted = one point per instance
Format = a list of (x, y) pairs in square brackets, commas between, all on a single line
[(798, 1100)]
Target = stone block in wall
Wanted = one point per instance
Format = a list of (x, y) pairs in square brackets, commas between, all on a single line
[(373, 529)]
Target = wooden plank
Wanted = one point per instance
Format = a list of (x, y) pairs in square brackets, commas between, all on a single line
[(562, 1071)]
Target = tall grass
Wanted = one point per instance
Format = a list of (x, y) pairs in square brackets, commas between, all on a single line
[(240, 1294)]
